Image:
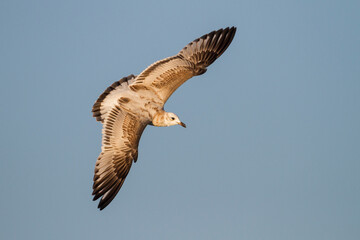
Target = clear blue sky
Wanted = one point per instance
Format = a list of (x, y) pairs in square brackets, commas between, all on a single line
[(272, 148)]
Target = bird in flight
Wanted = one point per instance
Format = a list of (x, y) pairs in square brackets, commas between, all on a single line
[(130, 104)]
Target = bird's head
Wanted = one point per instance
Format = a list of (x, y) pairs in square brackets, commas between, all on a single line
[(172, 119), (166, 119)]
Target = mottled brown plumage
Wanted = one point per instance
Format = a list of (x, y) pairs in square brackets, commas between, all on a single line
[(121, 135), (132, 103)]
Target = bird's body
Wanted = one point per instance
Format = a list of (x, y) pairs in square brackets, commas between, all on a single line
[(132, 103)]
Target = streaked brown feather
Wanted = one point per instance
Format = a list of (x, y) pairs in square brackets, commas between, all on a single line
[(121, 135), (166, 75), (96, 109)]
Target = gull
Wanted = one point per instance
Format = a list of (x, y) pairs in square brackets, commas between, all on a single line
[(130, 104)]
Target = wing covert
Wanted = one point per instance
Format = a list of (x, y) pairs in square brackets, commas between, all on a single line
[(108, 99)]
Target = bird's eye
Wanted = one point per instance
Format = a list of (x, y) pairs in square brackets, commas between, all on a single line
[(172, 118)]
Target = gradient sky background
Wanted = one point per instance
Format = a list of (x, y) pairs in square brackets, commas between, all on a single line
[(272, 148)]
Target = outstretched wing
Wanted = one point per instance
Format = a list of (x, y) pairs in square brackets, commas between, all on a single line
[(121, 135), (166, 75)]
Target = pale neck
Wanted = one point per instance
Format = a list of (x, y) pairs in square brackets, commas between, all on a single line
[(159, 119)]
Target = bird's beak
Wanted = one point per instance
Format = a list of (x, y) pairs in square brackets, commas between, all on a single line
[(182, 124)]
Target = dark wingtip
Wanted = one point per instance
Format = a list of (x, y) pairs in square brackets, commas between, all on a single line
[(202, 53), (101, 207)]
